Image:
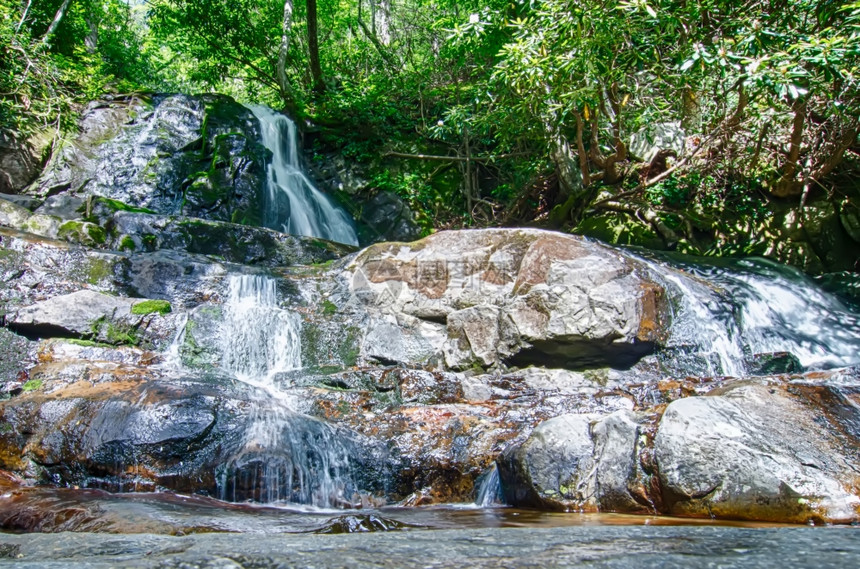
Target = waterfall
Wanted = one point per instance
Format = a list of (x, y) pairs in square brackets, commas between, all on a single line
[(489, 492), (284, 456), (293, 204), (259, 339), (726, 310)]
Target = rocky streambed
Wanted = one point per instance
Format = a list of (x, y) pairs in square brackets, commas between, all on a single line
[(150, 349)]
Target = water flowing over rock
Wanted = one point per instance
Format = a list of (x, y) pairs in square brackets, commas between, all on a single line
[(161, 332), (294, 204), (201, 157), (725, 315), (532, 367)]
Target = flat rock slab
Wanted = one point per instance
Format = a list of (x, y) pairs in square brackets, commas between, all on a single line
[(627, 547)]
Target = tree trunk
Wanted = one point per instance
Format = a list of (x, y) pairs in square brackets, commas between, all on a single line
[(283, 82), (58, 17), (575, 194), (583, 155), (24, 15), (314, 49), (394, 66), (93, 19), (787, 184), (381, 17)]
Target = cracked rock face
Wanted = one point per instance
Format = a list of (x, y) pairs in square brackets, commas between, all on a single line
[(754, 452), (510, 296)]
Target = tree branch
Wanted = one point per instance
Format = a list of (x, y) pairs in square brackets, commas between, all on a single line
[(455, 158), (58, 17), (659, 178), (376, 43)]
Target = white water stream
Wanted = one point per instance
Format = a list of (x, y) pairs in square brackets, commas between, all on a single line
[(729, 311), (294, 205), (285, 457)]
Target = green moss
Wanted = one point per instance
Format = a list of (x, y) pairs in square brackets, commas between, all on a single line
[(98, 270), (82, 232), (151, 306), (120, 334), (86, 343), (114, 333), (150, 241), (117, 205), (349, 349), (32, 385), (96, 326), (343, 408), (127, 243), (6, 428), (328, 307)]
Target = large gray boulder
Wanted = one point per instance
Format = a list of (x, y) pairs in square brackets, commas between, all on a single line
[(516, 296), (576, 462), (752, 451), (95, 316)]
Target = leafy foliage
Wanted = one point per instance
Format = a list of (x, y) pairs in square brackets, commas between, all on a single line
[(491, 112)]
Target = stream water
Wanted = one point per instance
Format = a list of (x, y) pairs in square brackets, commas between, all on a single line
[(286, 457), (725, 311), (294, 204)]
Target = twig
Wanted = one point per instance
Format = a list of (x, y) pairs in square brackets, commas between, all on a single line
[(455, 158)]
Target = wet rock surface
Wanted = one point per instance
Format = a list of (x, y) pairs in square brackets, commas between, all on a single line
[(155, 340), (637, 547), (174, 154)]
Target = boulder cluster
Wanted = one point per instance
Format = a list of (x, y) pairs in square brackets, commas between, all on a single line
[(426, 364)]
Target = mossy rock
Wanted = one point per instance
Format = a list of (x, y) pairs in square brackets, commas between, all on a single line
[(113, 206), (127, 243), (44, 225), (330, 344), (32, 385), (83, 233), (619, 230), (152, 307), (114, 333)]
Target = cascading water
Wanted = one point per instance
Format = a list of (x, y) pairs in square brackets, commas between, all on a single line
[(294, 205), (259, 339), (284, 456), (728, 310), (489, 493)]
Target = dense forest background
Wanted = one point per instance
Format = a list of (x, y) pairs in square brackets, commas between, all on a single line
[(711, 126)]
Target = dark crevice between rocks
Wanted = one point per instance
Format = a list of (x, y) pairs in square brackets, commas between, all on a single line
[(383, 361), (581, 355), (435, 318), (36, 332), (335, 383)]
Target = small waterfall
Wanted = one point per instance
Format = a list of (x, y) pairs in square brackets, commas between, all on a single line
[(259, 339), (489, 492), (287, 458), (726, 310), (295, 205), (284, 456)]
